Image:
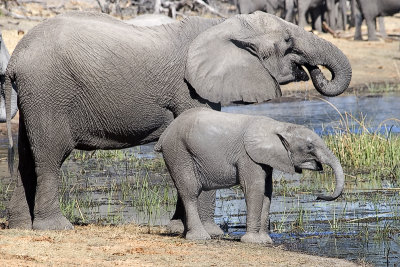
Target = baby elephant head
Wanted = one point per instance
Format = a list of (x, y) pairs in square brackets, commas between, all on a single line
[(291, 148)]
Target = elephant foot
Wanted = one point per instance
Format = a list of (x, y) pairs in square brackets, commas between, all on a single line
[(19, 223), (55, 223), (358, 38), (373, 39), (175, 227), (259, 238), (197, 235), (213, 229)]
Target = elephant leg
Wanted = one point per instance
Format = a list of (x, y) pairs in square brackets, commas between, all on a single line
[(20, 207), (382, 28), (206, 202), (253, 180), (50, 149), (289, 6), (343, 14), (302, 17), (194, 227), (206, 206), (176, 224), (371, 24), (316, 14), (358, 22), (264, 229), (188, 188)]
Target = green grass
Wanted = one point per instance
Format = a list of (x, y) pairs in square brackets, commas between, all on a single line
[(128, 182)]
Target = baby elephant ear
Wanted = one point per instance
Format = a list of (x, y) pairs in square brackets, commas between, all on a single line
[(222, 66), (265, 146)]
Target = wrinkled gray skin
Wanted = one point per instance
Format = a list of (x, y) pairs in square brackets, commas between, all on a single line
[(206, 150), (104, 84), (4, 58), (150, 20), (370, 10)]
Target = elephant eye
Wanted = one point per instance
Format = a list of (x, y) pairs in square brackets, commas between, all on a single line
[(288, 40)]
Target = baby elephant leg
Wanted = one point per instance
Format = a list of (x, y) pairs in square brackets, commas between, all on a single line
[(266, 205), (188, 189), (253, 180), (206, 206)]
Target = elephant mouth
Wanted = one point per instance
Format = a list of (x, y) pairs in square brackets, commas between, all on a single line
[(297, 74), (310, 165)]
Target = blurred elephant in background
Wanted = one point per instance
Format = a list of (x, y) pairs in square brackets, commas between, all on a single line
[(370, 10), (206, 149), (337, 14), (4, 58), (315, 8), (104, 84)]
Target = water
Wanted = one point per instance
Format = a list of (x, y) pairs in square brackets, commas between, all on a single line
[(109, 189), (325, 118)]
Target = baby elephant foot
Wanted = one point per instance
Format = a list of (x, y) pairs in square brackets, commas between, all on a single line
[(260, 238), (55, 223), (213, 229), (197, 235), (175, 227)]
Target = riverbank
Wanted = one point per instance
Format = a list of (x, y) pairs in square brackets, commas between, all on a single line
[(130, 245)]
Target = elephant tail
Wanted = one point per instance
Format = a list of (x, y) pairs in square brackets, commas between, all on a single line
[(8, 91), (158, 145)]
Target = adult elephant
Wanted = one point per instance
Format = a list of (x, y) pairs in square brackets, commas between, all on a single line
[(370, 10), (104, 84), (4, 58)]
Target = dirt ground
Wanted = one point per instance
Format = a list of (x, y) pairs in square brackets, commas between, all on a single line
[(131, 245), (372, 62)]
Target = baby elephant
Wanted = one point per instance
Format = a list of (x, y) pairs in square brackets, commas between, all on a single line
[(205, 150)]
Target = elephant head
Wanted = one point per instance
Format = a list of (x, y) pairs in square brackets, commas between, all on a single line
[(246, 58), (291, 148)]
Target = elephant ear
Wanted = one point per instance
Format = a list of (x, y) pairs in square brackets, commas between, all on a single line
[(266, 146), (223, 65)]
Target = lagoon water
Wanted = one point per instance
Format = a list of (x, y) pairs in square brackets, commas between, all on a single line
[(349, 228)]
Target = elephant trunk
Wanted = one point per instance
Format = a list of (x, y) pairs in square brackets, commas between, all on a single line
[(317, 51), (334, 163)]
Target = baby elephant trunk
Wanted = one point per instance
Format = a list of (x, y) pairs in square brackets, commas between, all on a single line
[(339, 175)]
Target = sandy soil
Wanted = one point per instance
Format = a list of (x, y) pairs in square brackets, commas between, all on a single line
[(130, 245)]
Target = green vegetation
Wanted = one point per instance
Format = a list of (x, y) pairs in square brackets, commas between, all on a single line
[(382, 88), (121, 176)]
